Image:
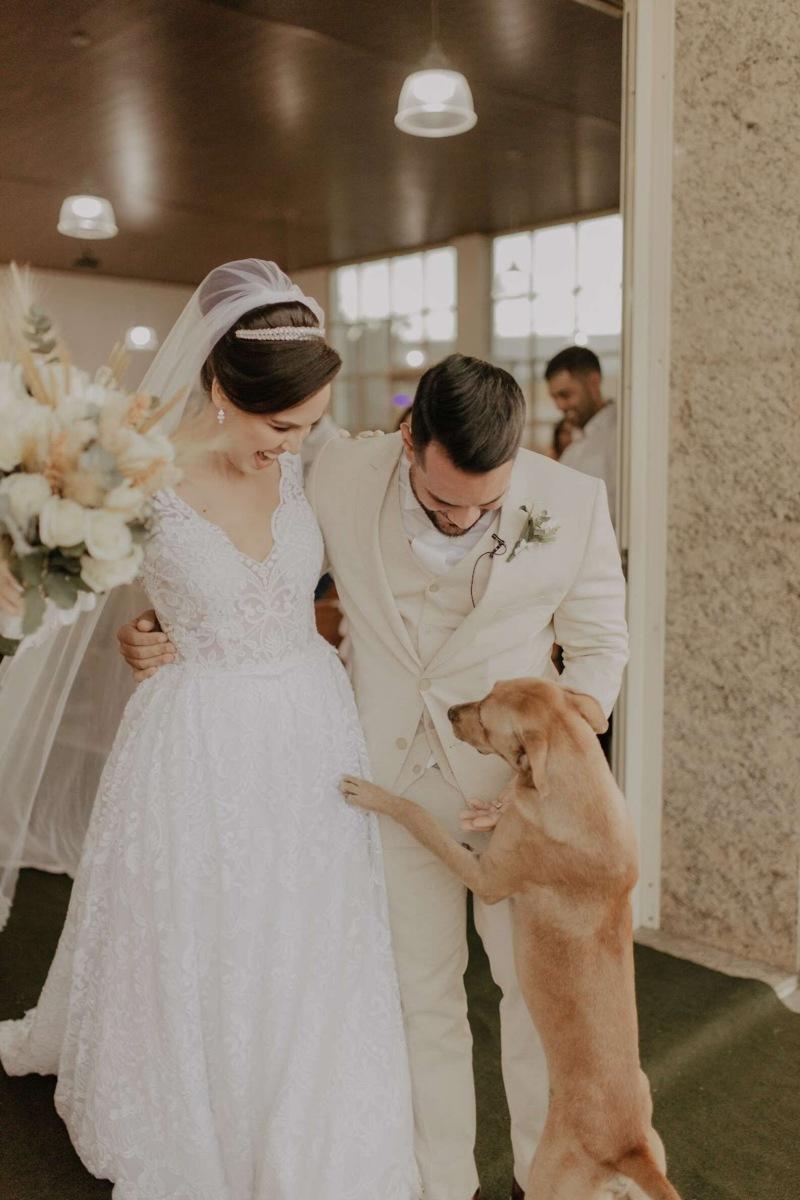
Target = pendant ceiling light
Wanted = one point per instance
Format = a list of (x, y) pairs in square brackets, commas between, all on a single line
[(141, 337), (435, 101), (87, 217)]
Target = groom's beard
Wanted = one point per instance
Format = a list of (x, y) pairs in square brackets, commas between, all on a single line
[(438, 519)]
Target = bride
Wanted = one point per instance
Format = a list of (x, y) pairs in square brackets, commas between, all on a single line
[(222, 1011)]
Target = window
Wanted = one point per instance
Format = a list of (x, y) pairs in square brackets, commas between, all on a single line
[(553, 287), (391, 319)]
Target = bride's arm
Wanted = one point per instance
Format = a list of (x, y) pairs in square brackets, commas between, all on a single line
[(144, 646)]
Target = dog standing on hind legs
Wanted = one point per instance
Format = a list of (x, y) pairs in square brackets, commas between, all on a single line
[(564, 850)]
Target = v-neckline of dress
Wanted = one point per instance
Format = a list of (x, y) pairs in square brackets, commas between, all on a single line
[(248, 558)]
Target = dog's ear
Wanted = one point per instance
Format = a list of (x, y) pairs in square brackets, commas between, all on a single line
[(532, 762), (589, 709)]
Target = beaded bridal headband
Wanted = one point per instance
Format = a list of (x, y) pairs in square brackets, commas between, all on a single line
[(281, 333)]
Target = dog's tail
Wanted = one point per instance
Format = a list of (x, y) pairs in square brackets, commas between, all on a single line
[(640, 1166)]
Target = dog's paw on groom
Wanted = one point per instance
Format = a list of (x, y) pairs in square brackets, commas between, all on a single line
[(482, 815)]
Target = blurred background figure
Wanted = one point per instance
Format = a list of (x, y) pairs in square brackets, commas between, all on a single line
[(564, 434), (575, 382), (322, 432), (402, 418)]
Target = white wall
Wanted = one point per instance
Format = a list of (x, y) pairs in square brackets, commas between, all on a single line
[(314, 282), (93, 312)]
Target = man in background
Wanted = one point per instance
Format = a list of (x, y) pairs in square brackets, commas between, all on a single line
[(575, 382)]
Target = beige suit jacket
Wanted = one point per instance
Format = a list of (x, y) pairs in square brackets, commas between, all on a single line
[(570, 590)]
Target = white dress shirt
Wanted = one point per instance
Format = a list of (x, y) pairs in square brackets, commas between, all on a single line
[(437, 552), (596, 452)]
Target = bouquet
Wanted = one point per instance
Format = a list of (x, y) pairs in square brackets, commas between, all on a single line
[(79, 463)]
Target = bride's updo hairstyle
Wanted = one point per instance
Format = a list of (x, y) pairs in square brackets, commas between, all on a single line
[(269, 376)]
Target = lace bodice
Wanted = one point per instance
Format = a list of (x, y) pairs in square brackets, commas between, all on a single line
[(222, 608)]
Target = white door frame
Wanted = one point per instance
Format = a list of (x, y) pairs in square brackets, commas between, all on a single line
[(647, 147)]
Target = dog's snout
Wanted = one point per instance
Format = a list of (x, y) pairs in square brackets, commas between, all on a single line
[(452, 713)]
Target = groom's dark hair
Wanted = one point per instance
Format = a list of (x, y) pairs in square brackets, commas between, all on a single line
[(475, 411)]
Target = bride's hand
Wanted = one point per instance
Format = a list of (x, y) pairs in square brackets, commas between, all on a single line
[(10, 591), (144, 645)]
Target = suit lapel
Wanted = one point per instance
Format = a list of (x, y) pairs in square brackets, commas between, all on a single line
[(372, 495)]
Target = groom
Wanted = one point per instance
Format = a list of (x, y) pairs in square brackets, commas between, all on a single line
[(448, 586)]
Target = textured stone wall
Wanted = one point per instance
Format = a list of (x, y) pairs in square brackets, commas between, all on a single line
[(731, 832)]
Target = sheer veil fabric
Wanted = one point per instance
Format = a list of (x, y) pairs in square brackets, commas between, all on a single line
[(61, 702)]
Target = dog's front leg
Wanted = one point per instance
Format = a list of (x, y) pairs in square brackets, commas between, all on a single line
[(480, 876)]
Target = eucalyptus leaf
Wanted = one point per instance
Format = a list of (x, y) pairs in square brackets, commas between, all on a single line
[(68, 566), (15, 567), (34, 610), (32, 568), (62, 589)]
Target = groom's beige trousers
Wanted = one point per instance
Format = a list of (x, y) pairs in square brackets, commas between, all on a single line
[(427, 910)]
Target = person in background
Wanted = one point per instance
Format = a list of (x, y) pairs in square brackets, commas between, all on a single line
[(564, 433), (575, 382), (402, 417)]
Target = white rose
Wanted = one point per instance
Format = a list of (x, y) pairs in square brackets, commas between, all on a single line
[(97, 395), (113, 411), (83, 432), (135, 452), (62, 523), (125, 500), (103, 575), (107, 536), (27, 495), (71, 410), (36, 426), (10, 446)]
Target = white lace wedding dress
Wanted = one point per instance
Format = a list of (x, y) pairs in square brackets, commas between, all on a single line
[(222, 1011)]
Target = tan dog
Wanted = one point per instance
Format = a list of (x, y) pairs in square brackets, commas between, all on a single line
[(565, 849)]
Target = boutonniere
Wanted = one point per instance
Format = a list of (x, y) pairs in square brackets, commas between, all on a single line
[(537, 527)]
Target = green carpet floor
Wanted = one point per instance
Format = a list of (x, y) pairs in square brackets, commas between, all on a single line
[(723, 1056)]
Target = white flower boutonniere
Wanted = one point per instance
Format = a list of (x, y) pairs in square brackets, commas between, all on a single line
[(536, 528)]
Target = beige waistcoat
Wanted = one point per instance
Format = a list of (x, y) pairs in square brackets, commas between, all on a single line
[(432, 607)]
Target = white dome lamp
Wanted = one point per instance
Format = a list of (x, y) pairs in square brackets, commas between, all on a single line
[(435, 101), (141, 337), (87, 218)]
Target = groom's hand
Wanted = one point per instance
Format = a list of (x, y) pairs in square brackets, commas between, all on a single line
[(144, 645)]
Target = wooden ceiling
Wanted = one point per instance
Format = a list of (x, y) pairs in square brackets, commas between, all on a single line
[(226, 128)]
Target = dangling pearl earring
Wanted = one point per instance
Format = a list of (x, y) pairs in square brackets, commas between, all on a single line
[(221, 415)]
